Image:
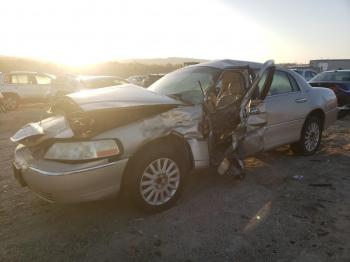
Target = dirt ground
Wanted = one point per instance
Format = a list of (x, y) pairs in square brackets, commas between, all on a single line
[(270, 216)]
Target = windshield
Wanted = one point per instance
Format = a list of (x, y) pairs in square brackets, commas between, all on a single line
[(333, 76), (185, 84)]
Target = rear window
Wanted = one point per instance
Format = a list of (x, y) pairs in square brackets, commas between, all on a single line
[(333, 76), (42, 80)]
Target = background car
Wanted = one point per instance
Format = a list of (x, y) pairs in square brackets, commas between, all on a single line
[(150, 79), (22, 86), (66, 84), (338, 81), (306, 73), (136, 79)]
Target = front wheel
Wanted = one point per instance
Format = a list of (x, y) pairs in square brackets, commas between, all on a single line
[(156, 179), (310, 137)]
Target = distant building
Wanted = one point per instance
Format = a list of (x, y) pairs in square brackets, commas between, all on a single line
[(330, 64)]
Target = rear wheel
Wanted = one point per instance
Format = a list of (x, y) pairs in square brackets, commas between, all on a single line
[(10, 101), (156, 178), (310, 137)]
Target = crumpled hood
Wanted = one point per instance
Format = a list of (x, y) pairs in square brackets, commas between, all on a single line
[(122, 96), (87, 113), (34, 133)]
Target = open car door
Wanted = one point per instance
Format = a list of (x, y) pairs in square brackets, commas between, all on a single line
[(249, 135), (237, 122)]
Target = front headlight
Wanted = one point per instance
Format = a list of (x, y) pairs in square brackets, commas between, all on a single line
[(84, 150)]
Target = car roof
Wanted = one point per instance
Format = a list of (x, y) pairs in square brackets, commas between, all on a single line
[(22, 72), (341, 70), (29, 73), (305, 69), (227, 63)]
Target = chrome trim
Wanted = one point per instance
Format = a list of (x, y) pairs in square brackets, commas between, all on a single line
[(301, 100), (50, 173)]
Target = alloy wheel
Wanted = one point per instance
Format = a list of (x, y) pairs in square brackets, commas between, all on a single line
[(312, 136), (160, 181)]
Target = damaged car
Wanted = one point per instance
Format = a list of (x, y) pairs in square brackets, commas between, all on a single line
[(144, 142)]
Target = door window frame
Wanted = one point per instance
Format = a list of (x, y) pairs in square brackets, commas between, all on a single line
[(295, 87)]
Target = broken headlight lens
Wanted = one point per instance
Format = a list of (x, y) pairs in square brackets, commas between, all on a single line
[(84, 150)]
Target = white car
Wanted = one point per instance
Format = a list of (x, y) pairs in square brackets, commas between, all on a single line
[(22, 86)]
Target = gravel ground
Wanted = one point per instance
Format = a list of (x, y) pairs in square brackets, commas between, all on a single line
[(270, 216)]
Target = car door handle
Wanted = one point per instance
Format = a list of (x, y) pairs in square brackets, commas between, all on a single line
[(301, 100)]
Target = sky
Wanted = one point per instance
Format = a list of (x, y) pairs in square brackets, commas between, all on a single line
[(79, 32)]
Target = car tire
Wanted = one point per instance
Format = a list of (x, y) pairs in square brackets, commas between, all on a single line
[(10, 101), (156, 178), (310, 137)]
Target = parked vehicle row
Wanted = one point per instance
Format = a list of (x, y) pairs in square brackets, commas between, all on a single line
[(150, 79), (136, 79), (144, 142), (22, 86), (307, 74), (66, 84), (336, 80)]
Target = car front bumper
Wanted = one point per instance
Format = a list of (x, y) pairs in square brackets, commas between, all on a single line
[(66, 182)]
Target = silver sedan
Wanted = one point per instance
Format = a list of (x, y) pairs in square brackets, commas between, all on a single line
[(146, 141)]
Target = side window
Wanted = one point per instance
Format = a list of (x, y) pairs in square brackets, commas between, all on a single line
[(42, 80), (280, 84), (293, 83), (20, 79), (342, 76)]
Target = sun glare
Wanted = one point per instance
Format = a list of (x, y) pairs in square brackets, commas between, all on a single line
[(82, 32)]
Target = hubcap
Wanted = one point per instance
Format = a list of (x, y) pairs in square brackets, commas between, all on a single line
[(160, 181), (312, 136)]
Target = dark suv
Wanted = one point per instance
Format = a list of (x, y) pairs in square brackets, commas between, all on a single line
[(338, 81)]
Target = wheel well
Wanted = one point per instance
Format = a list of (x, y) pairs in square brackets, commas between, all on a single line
[(318, 113), (171, 140)]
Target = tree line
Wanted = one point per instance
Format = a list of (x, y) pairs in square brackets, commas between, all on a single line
[(114, 68)]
